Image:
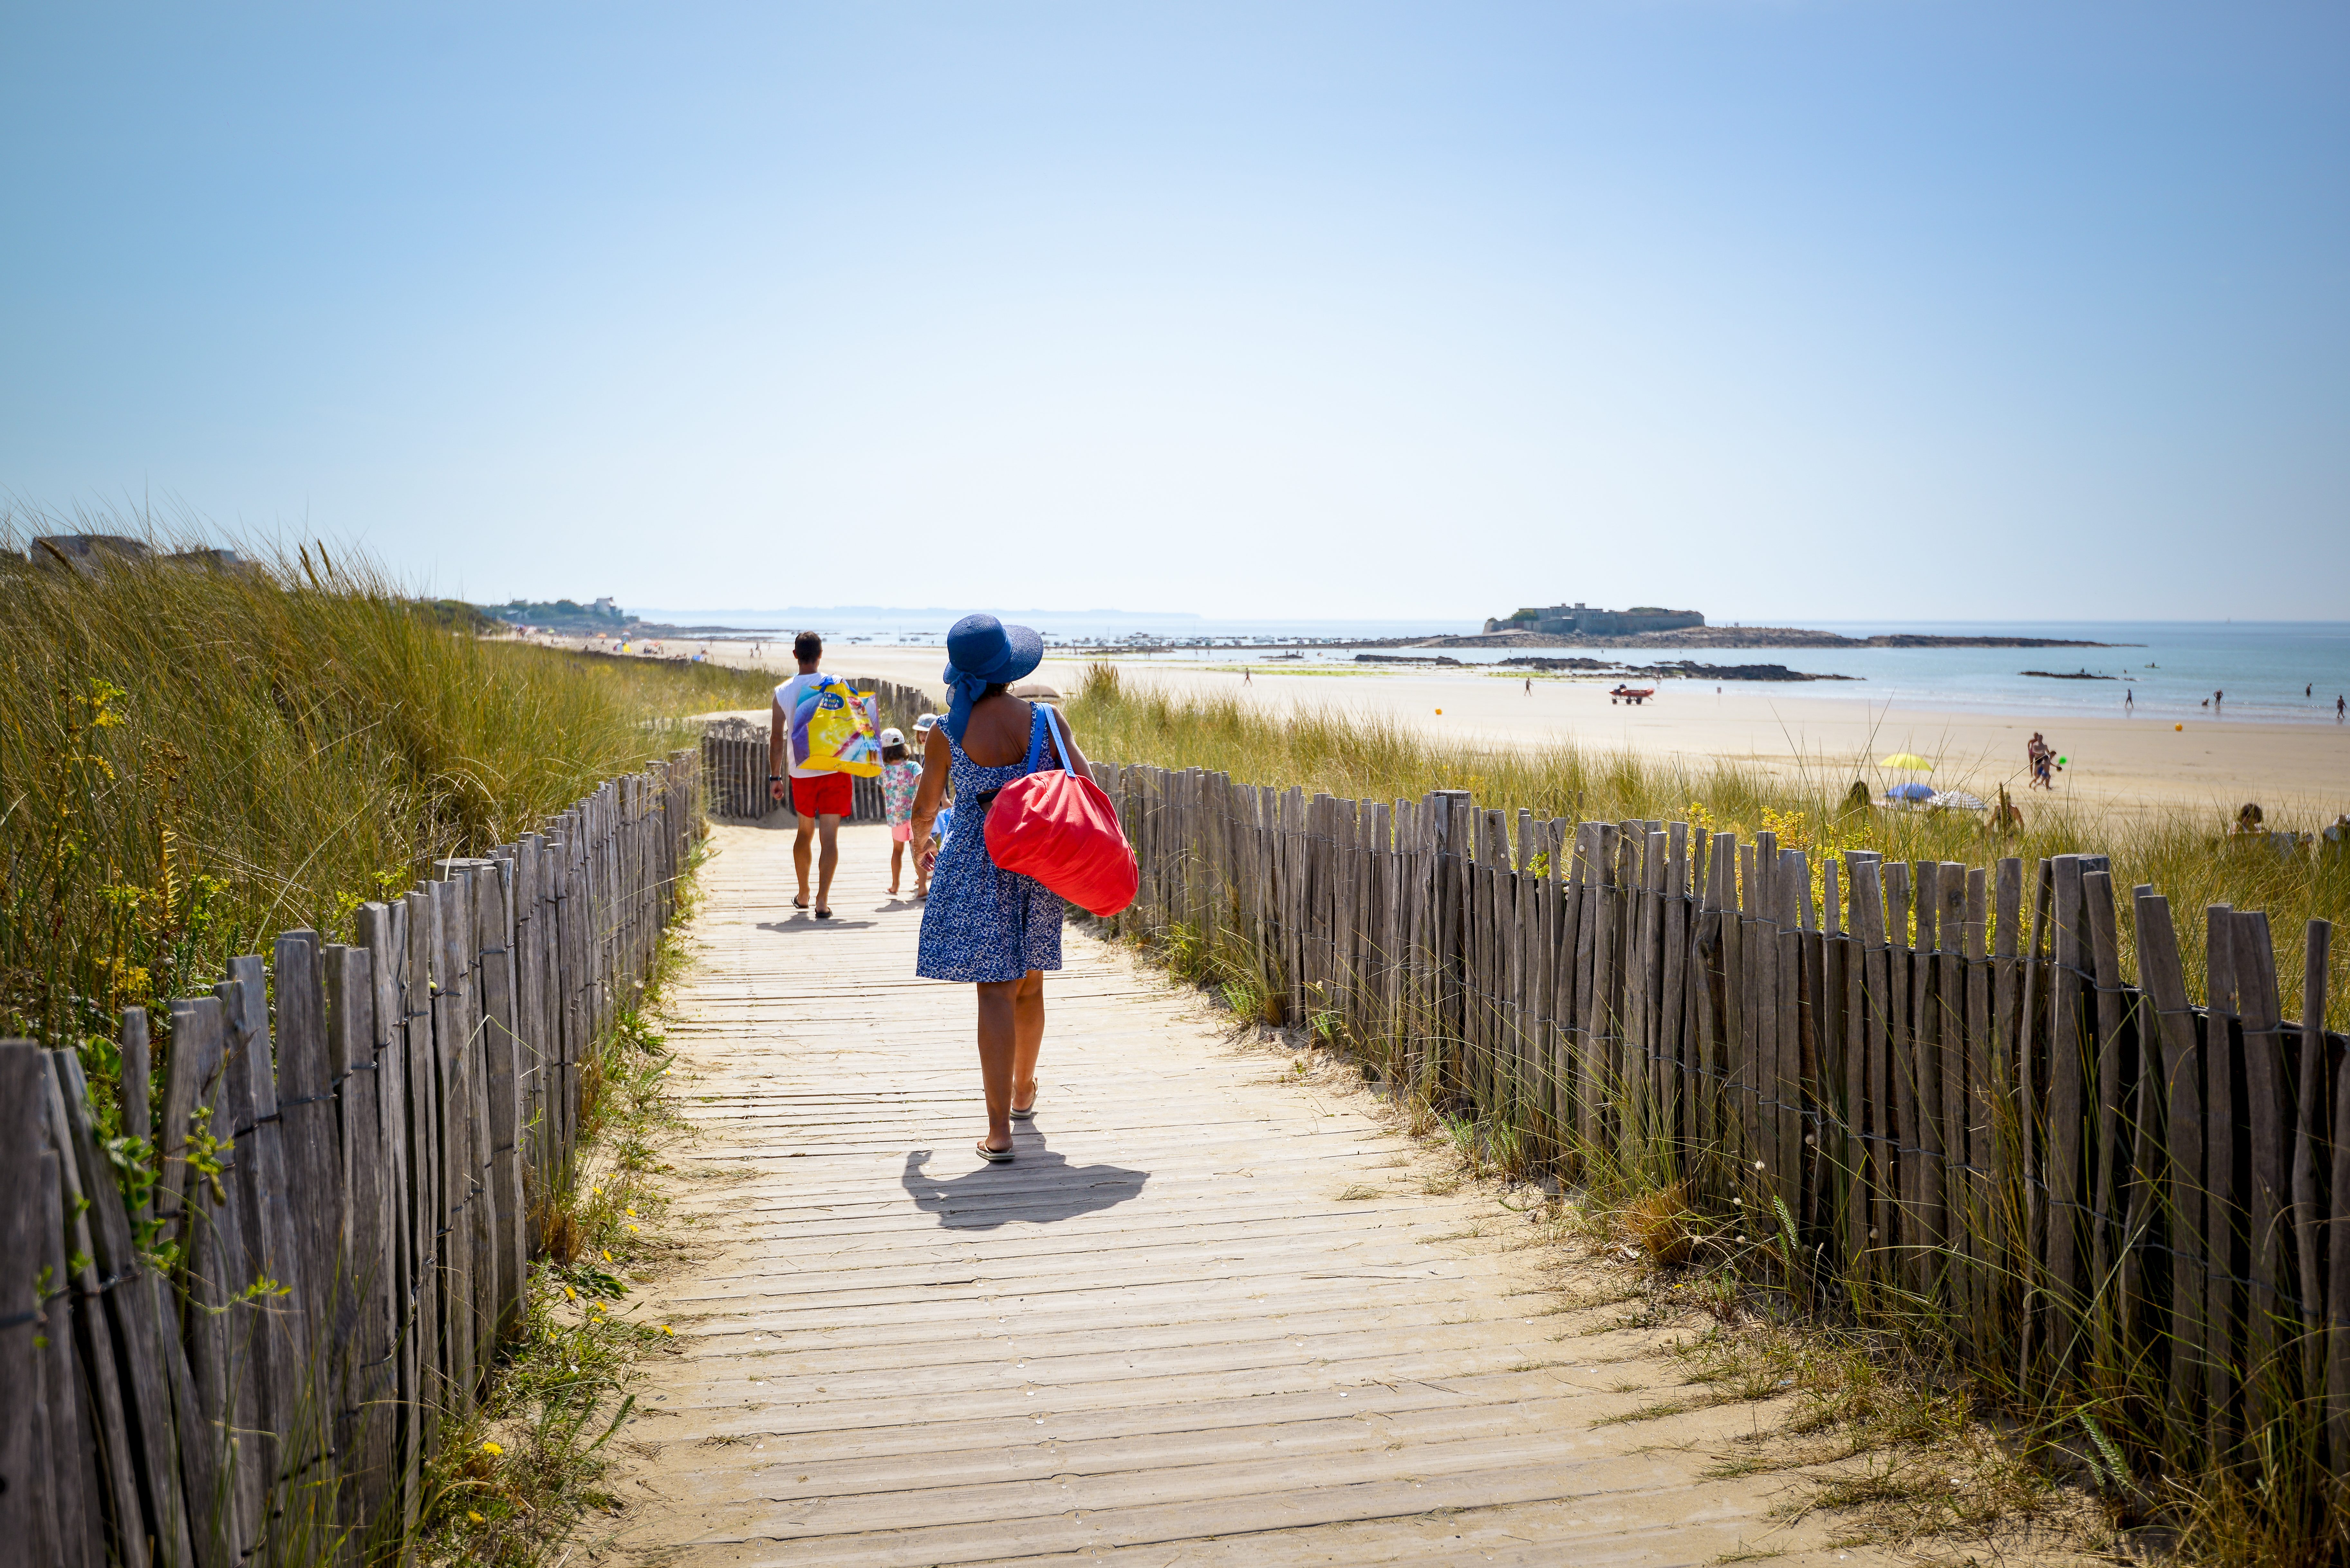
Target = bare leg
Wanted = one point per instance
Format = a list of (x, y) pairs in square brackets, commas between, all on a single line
[(800, 854), (1011, 1031), (998, 1010), (1028, 1036), (828, 860), (897, 859)]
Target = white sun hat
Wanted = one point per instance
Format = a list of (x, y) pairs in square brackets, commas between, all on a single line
[(892, 738)]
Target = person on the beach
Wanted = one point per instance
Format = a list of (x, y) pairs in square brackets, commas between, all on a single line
[(2129, 700), (997, 929), (818, 799), (901, 777), (2042, 759), (2337, 709)]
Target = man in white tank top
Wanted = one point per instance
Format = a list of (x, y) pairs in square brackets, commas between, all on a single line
[(818, 799)]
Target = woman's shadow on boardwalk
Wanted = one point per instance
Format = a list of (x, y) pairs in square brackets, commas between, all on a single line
[(1039, 1187)]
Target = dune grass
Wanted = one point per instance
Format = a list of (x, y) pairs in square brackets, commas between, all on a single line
[(2187, 856), (193, 758)]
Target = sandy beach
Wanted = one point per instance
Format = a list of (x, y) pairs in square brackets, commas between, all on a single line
[(2300, 773)]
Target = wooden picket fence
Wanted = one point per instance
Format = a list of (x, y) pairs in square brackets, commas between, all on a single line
[(734, 758), (1934, 1084), (353, 1144)]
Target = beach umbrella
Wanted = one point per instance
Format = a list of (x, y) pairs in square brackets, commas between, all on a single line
[(1910, 760), (1910, 792)]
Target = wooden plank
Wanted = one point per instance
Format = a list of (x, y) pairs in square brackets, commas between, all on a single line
[(211, 1235), (454, 1050), (424, 1317), (2110, 1155), (274, 1247), (25, 1498), (365, 1384), (2069, 1073), (1674, 1065), (137, 1068), (1902, 1142), (2032, 1129), (2225, 1253), (1877, 1009), (1926, 1057), (2180, 1172), (1788, 1086), (502, 1083), (70, 1508), (317, 1222), (130, 1396), (259, 1340), (2269, 1382), (2311, 1125), (1847, 961), (2337, 1264)]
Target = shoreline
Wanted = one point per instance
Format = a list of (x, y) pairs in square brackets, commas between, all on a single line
[(2298, 772)]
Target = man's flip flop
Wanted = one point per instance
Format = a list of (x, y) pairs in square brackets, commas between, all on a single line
[(1024, 1113), (824, 914), (993, 1156), (799, 903)]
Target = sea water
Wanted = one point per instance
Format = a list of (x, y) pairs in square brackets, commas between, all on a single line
[(2167, 669)]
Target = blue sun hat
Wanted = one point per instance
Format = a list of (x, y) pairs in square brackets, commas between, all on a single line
[(980, 651)]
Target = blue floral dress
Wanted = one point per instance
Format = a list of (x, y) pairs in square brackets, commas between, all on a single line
[(983, 924)]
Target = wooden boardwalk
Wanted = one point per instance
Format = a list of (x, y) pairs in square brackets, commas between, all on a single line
[(1161, 1336)]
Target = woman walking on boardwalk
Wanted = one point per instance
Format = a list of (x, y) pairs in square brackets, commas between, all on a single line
[(986, 926)]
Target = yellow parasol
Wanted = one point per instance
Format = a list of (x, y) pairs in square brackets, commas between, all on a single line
[(1906, 759)]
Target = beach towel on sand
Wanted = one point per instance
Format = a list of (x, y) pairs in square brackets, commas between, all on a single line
[(833, 730)]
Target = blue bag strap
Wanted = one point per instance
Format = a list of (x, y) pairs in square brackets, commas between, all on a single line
[(1051, 726)]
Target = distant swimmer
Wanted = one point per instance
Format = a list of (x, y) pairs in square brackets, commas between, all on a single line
[(2129, 701), (2337, 709)]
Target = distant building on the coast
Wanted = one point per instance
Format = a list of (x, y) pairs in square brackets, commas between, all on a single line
[(89, 553), (1581, 620)]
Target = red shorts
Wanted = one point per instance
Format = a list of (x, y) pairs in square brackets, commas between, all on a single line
[(827, 795)]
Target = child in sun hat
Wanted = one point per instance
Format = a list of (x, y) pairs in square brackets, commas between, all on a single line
[(901, 777)]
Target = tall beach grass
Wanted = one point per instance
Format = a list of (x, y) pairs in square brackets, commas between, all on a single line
[(194, 757)]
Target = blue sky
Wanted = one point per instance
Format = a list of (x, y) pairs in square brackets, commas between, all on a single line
[(1781, 310)]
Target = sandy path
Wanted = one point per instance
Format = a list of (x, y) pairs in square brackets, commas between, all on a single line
[(1160, 1335)]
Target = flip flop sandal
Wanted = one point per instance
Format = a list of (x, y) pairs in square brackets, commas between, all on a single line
[(824, 914), (1025, 1112), (993, 1156), (799, 903)]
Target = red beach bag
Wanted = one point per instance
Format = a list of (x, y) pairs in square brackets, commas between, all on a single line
[(1060, 828)]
